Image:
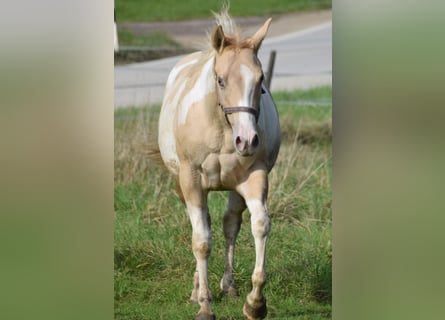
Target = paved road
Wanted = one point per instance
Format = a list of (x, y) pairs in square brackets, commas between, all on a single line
[(304, 60)]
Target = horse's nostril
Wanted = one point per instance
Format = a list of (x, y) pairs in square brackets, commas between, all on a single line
[(255, 141), (239, 143)]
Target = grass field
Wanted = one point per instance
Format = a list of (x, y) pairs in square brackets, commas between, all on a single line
[(154, 263), (169, 10), (158, 39)]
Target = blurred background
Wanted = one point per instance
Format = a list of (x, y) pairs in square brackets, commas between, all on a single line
[(148, 30), (57, 136)]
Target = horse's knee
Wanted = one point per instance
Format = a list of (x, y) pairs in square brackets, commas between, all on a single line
[(202, 248), (261, 226), (260, 220)]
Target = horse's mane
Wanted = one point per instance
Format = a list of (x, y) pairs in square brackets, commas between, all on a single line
[(230, 28)]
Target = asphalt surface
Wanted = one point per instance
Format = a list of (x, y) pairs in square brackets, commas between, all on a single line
[(303, 60)]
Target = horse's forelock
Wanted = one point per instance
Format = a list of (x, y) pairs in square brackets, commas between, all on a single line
[(225, 20), (229, 26)]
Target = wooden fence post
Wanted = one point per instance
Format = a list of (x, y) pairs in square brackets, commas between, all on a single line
[(270, 67)]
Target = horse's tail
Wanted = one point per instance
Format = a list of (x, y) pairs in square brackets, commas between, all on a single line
[(153, 154), (151, 151)]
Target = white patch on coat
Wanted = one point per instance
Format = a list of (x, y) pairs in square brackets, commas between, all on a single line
[(248, 80), (166, 140), (203, 86), (246, 121), (255, 206), (199, 222), (177, 69), (195, 215), (258, 216), (260, 223)]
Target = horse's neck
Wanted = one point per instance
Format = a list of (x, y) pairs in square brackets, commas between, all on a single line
[(205, 85)]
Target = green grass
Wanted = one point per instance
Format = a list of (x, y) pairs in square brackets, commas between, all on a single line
[(170, 10), (127, 38), (154, 263)]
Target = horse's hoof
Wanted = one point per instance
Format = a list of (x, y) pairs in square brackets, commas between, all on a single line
[(228, 287), (193, 299), (231, 292), (205, 316), (256, 311)]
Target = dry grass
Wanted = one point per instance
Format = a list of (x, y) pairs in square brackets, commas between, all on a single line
[(136, 148), (304, 160)]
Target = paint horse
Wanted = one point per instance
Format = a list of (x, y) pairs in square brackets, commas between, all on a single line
[(219, 130)]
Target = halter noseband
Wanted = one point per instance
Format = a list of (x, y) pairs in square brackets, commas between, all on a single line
[(230, 110)]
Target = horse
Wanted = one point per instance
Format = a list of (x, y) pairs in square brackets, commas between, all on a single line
[(219, 131)]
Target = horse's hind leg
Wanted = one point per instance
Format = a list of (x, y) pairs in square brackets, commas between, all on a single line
[(231, 226)]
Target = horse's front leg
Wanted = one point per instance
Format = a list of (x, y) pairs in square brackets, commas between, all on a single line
[(196, 203), (254, 191)]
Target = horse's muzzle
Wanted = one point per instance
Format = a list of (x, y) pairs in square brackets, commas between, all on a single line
[(247, 146)]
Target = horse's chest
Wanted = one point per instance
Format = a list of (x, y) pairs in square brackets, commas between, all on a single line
[(223, 171)]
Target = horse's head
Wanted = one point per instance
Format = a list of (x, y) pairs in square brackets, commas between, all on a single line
[(238, 76)]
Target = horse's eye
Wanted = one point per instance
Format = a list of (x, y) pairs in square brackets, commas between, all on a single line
[(221, 82)]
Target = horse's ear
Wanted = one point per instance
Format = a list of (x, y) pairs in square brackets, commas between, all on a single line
[(218, 38), (259, 36)]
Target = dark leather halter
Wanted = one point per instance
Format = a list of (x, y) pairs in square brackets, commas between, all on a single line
[(230, 110)]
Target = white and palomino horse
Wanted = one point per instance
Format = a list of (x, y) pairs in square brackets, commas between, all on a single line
[(219, 130)]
